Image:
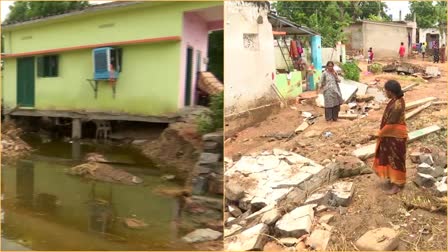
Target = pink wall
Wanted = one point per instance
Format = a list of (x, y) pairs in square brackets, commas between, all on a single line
[(194, 34)]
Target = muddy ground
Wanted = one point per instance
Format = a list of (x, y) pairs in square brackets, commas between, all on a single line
[(370, 208)]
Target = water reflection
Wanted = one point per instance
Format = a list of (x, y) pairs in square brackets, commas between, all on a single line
[(101, 212), (25, 183)]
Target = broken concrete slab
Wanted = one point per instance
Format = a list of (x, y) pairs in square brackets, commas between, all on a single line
[(380, 239), (432, 71), (441, 188), (341, 193), (369, 150), (318, 198), (319, 239), (271, 216), (202, 235), (260, 212), (424, 180), (361, 88), (296, 223), (232, 230), (302, 127), (253, 238), (379, 95), (326, 218), (426, 158), (414, 104), (417, 110), (234, 190), (234, 211), (430, 170)]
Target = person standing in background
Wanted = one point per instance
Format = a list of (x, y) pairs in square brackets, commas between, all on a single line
[(402, 51)]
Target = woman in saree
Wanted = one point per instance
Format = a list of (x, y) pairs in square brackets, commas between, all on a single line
[(329, 86), (390, 155)]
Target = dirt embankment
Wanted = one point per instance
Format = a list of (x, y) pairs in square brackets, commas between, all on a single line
[(13, 147), (176, 150)]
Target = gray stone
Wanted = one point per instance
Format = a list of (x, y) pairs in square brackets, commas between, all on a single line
[(202, 235), (200, 185), (235, 211), (210, 146), (208, 158), (319, 239), (380, 239), (271, 216), (429, 170), (215, 137), (202, 170), (441, 187), (426, 158), (341, 193), (289, 241), (253, 238), (232, 230), (326, 218), (424, 180), (234, 190), (296, 223), (320, 198)]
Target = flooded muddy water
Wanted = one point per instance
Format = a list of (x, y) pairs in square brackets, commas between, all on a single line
[(43, 208)]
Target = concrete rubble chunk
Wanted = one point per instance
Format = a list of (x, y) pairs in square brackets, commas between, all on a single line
[(271, 216), (232, 230), (296, 223), (341, 193), (426, 158), (327, 218), (319, 239), (289, 241), (235, 211), (415, 157), (253, 238), (424, 180), (429, 170), (441, 187), (380, 239), (320, 198), (215, 137), (321, 208), (202, 235), (234, 190), (260, 212)]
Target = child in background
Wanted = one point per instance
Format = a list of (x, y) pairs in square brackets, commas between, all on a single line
[(370, 55)]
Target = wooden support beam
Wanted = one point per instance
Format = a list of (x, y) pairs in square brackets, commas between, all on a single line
[(367, 151), (348, 116), (407, 88), (302, 127), (414, 104), (418, 110)]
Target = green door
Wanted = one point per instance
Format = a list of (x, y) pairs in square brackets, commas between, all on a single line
[(25, 82), (189, 76)]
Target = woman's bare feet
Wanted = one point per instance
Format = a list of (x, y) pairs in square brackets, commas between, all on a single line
[(395, 189)]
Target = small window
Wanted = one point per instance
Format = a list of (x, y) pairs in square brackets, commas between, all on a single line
[(116, 59), (47, 66)]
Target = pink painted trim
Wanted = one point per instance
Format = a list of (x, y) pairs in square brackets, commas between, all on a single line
[(215, 25), (128, 42)]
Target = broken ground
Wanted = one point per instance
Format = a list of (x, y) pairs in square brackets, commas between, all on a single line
[(419, 222)]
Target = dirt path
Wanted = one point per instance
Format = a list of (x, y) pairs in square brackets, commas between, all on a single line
[(370, 207)]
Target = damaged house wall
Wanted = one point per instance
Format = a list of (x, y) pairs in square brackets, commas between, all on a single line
[(248, 79)]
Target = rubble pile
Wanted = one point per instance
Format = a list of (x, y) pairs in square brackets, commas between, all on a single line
[(13, 147), (431, 170), (281, 194)]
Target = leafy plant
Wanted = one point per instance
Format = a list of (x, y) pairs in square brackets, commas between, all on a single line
[(376, 68), (351, 71), (209, 122)]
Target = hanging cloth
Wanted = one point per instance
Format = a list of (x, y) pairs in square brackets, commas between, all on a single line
[(293, 50), (299, 48)]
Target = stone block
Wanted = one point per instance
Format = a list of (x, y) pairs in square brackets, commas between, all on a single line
[(202, 235), (253, 238), (320, 198), (234, 190), (441, 188), (200, 185), (208, 158), (232, 230), (429, 170), (326, 218), (215, 137), (319, 239), (295, 223), (424, 180), (381, 239)]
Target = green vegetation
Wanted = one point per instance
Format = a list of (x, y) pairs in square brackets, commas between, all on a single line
[(376, 68), (209, 122), (351, 71)]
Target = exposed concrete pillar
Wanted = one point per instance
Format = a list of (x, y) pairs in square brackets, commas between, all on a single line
[(76, 128), (76, 150)]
